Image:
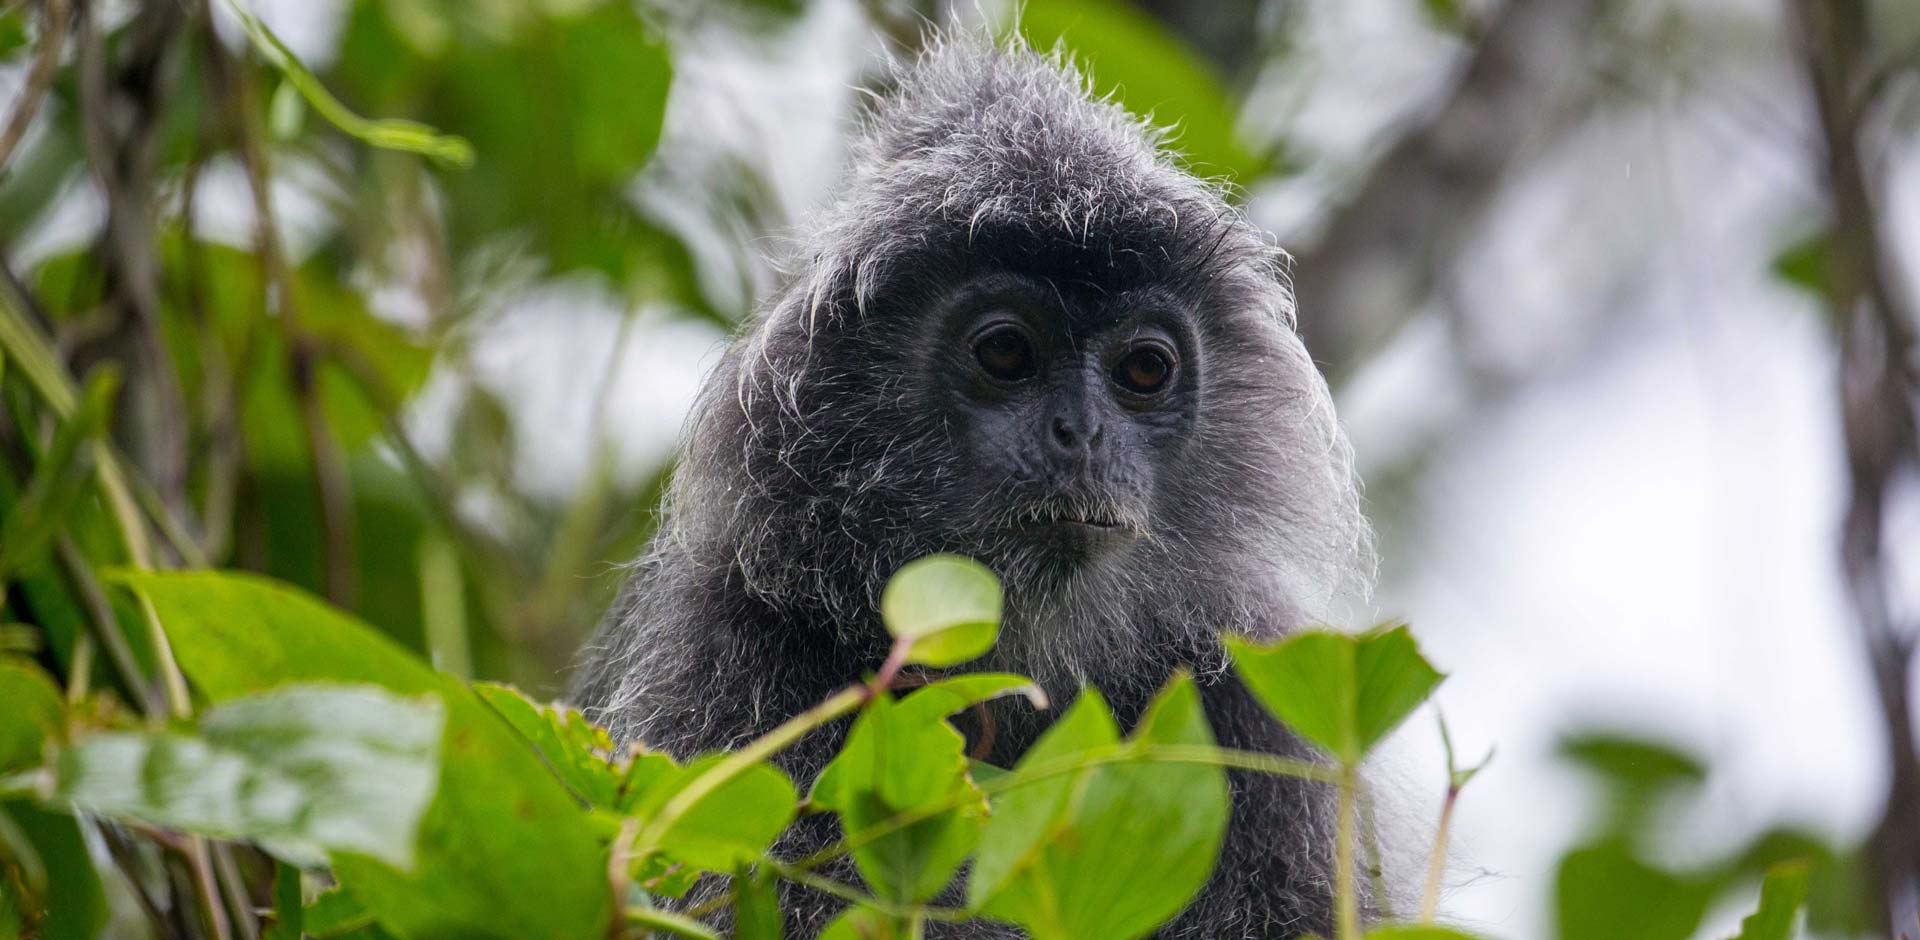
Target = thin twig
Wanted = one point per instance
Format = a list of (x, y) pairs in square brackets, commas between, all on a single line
[(39, 79), (332, 481)]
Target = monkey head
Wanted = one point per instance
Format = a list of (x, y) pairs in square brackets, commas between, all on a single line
[(1027, 334)]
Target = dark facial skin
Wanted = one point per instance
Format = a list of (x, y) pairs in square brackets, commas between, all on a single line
[(1068, 406)]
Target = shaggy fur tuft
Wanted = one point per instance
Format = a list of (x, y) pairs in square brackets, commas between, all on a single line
[(816, 464)]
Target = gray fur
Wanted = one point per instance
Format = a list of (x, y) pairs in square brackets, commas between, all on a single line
[(814, 467)]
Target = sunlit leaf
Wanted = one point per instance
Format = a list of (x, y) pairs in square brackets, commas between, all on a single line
[(304, 770), (1343, 693), (948, 606)]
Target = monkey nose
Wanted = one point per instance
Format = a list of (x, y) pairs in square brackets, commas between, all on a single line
[(1074, 439)]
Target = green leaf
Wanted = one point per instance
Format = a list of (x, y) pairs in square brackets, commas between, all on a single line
[(730, 827), (33, 714), (1807, 263), (578, 751), (60, 479), (898, 758), (1343, 693), (862, 923), (1781, 895), (1113, 850), (1151, 73), (501, 820), (1604, 893), (289, 910), (69, 894), (1417, 932), (335, 911), (303, 770), (947, 606), (756, 906)]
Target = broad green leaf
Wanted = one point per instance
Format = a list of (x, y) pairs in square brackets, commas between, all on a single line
[(729, 827), (1781, 895), (1128, 847), (33, 712), (903, 757), (578, 751), (1604, 893), (1343, 693), (501, 820), (303, 770), (1025, 817), (69, 895), (1150, 72), (756, 906), (948, 606)]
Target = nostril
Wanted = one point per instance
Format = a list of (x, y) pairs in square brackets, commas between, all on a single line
[(1063, 433)]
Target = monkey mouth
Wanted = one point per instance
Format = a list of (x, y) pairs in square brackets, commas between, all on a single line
[(1081, 521)]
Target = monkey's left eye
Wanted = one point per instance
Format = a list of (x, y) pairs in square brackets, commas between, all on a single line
[(1144, 371)]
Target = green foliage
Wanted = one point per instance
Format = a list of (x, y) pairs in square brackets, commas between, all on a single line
[(1781, 897), (303, 770), (1047, 860), (178, 713), (1342, 692), (501, 820), (946, 607), (1150, 72)]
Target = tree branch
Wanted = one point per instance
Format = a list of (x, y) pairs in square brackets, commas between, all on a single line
[(1385, 249), (1878, 386)]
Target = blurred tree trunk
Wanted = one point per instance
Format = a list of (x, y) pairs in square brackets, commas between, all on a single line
[(1385, 250), (1879, 382)]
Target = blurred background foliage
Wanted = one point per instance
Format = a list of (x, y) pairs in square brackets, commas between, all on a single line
[(435, 375)]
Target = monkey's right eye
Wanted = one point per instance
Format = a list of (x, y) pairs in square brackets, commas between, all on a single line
[(1005, 353)]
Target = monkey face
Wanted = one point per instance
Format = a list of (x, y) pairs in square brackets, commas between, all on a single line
[(1066, 404)]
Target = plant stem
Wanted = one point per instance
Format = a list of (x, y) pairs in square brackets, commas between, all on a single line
[(736, 763), (1437, 864), (1346, 892)]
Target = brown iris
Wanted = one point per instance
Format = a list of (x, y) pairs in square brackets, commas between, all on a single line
[(1145, 370)]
